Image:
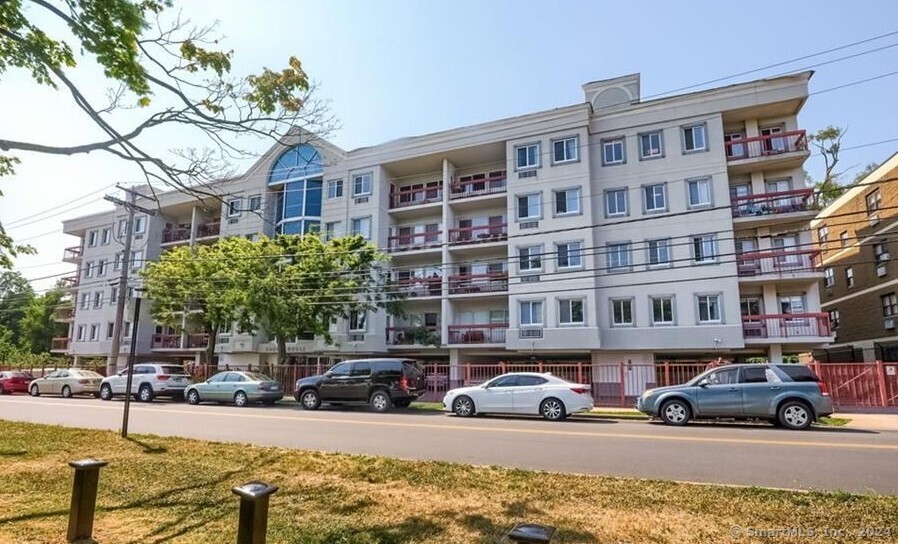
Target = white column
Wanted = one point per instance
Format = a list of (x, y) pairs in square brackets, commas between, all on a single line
[(455, 374), (448, 221), (775, 354), (193, 227)]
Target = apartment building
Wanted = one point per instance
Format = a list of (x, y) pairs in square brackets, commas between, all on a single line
[(616, 229), (859, 285)]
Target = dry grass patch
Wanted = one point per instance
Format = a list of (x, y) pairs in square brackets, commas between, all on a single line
[(178, 490)]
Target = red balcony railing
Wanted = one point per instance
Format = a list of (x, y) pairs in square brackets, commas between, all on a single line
[(175, 234), (484, 233), (413, 197), (766, 146), (64, 314), (197, 340), (208, 229), (786, 326), (478, 283), (166, 341), (413, 336), (69, 282), (478, 334), (757, 263), (420, 287), (404, 242), (477, 187), (72, 254), (798, 200), (60, 344)]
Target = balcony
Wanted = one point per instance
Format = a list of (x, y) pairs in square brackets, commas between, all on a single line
[(59, 345), (410, 241), (415, 196), (778, 264), (413, 336), (491, 282), (474, 235), (788, 149), (69, 282), (769, 208), (72, 254), (173, 235), (478, 334), (798, 327), (419, 287), (64, 314), (197, 341), (205, 230), (471, 186), (177, 341)]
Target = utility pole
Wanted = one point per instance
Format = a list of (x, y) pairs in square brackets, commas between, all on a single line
[(131, 206)]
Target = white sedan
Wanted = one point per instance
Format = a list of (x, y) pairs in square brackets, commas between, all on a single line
[(521, 393)]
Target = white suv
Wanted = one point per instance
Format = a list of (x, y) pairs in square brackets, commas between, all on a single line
[(150, 380)]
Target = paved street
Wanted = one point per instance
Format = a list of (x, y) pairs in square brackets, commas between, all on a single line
[(838, 458)]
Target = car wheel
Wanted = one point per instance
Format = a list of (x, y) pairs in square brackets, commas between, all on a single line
[(675, 412), (106, 392), (66, 392), (193, 397), (34, 391), (145, 393), (380, 401), (310, 399), (240, 399), (463, 406), (553, 409), (795, 415)]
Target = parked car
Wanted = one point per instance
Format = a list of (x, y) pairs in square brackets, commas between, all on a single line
[(521, 393), (382, 383), (785, 394), (150, 380), (14, 381), (238, 387), (67, 382)]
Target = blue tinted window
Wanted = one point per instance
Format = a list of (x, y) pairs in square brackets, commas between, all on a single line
[(292, 227), (295, 197), (279, 207), (313, 197), (311, 226), (298, 162)]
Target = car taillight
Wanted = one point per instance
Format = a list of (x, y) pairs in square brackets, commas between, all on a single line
[(824, 390), (162, 377), (580, 390), (403, 383)]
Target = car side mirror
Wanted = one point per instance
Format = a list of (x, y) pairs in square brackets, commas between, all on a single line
[(703, 383)]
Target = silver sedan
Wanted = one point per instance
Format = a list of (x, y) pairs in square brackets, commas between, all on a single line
[(67, 382)]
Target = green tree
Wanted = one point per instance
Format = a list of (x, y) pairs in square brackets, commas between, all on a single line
[(828, 142), (865, 171), (16, 295), (38, 326), (166, 68)]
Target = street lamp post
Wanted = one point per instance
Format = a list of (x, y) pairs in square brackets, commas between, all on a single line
[(137, 296)]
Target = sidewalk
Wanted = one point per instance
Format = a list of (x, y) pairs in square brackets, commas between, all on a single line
[(872, 422)]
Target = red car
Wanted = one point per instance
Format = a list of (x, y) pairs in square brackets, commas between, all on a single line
[(14, 382)]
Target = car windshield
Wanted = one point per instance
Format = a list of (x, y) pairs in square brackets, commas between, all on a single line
[(86, 373)]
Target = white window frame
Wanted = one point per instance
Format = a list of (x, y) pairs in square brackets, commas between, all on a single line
[(873, 202), (106, 236), (849, 276), (645, 200), (94, 332), (122, 227), (834, 318), (578, 253), (699, 182), (332, 229), (85, 301), (570, 312), (117, 262), (673, 310), (101, 267), (704, 239), (92, 238), (844, 239), (612, 143), (97, 299), (81, 333), (531, 305), (532, 250), (539, 206), (889, 303), (254, 203), (356, 316), (631, 303), (113, 295), (660, 153), (563, 193), (136, 259), (140, 224), (89, 269), (668, 249), (234, 207), (707, 299), (693, 127), (615, 246), (110, 329), (626, 201), (354, 231), (829, 277), (529, 166), (823, 234), (359, 181), (126, 329), (335, 186), (564, 142)]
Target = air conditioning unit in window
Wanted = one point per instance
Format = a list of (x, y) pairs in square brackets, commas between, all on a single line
[(889, 323), (531, 333), (361, 200), (530, 225), (883, 257), (874, 219), (881, 270), (527, 174)]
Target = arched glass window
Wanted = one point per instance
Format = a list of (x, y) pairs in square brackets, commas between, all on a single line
[(299, 162), (295, 179)]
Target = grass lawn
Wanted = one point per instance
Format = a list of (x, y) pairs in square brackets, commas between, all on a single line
[(178, 490)]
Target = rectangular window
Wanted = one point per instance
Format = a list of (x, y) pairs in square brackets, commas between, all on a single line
[(80, 335), (335, 188), (531, 313), (834, 319), (110, 330), (94, 332), (615, 202), (361, 226), (570, 311), (704, 248), (98, 299), (530, 258), (709, 308), (85, 301), (358, 320), (234, 207), (92, 237), (332, 230), (255, 203), (694, 138), (655, 197), (843, 238), (822, 234), (874, 202), (564, 150), (140, 224), (662, 310), (136, 260), (613, 151), (106, 237), (528, 206), (849, 276), (622, 312), (361, 184), (117, 263), (101, 268), (88, 269), (889, 305), (569, 255), (880, 253), (567, 201), (659, 252), (699, 192), (829, 277), (113, 295), (527, 156), (122, 227), (126, 329), (618, 256), (792, 304), (650, 145)]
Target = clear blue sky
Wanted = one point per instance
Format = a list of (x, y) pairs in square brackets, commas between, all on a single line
[(401, 68)]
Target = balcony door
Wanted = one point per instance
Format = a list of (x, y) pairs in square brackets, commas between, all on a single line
[(786, 247), (773, 144), (753, 325), (739, 197), (782, 204), (747, 267), (734, 150)]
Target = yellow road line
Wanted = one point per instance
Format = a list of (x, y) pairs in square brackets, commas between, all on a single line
[(454, 427)]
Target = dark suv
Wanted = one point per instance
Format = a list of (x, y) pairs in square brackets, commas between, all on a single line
[(382, 383)]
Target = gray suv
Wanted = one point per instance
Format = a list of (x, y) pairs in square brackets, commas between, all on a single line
[(788, 395), (150, 380)]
